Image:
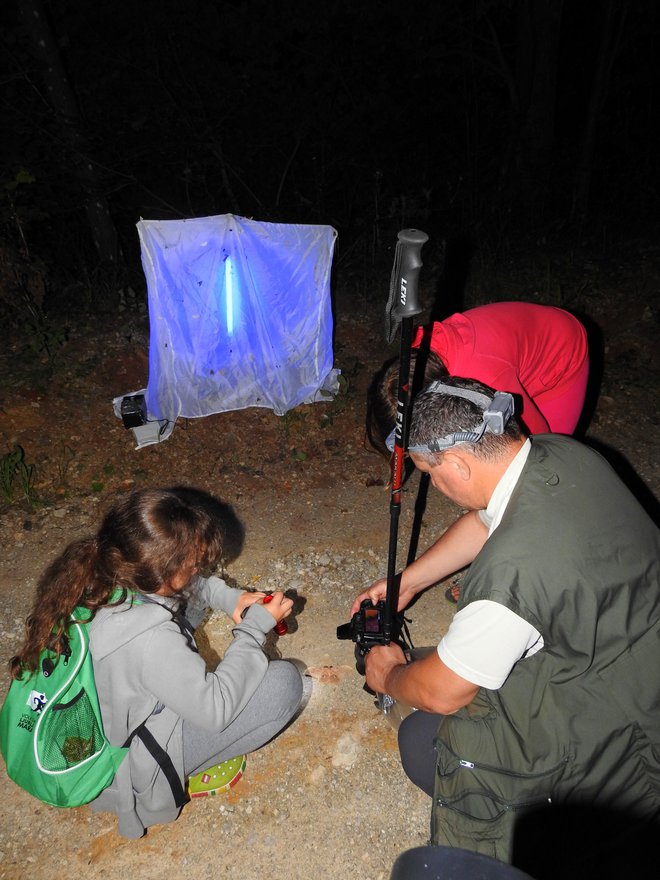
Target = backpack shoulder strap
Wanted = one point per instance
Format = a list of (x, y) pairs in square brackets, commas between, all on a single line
[(161, 757), (152, 745), (179, 617)]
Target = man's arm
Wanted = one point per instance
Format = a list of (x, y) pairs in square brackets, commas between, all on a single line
[(426, 684), (454, 549)]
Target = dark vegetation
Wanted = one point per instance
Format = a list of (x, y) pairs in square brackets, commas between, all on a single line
[(509, 130)]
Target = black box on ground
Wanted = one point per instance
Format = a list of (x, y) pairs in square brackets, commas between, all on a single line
[(134, 411)]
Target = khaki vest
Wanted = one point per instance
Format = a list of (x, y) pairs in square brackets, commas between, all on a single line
[(579, 721)]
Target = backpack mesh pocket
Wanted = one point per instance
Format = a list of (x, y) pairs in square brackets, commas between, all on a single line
[(70, 734)]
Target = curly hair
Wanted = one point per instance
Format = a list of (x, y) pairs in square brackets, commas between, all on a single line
[(383, 391), (143, 542)]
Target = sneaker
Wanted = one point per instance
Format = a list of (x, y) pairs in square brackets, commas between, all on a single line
[(217, 779)]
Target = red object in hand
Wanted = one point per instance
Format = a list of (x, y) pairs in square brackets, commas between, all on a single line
[(280, 627)]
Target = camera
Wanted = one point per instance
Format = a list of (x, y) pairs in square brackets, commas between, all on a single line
[(366, 627)]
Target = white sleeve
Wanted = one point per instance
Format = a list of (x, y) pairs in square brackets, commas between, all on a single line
[(485, 640)]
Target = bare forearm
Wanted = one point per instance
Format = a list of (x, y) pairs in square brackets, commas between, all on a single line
[(429, 685), (453, 550)]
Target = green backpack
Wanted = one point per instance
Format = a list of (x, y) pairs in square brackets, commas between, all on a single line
[(51, 732)]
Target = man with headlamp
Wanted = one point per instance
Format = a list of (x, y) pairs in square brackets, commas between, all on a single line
[(545, 690)]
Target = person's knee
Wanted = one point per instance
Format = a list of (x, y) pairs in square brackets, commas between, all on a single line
[(407, 740), (416, 746), (285, 679)]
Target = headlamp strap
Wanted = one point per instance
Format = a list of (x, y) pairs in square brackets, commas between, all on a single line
[(496, 413)]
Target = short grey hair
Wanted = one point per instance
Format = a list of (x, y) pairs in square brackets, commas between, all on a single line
[(437, 414)]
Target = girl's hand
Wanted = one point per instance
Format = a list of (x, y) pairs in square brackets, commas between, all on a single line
[(244, 603), (280, 606)]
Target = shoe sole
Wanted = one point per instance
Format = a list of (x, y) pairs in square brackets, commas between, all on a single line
[(221, 789)]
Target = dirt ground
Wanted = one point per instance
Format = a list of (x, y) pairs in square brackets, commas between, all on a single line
[(328, 798)]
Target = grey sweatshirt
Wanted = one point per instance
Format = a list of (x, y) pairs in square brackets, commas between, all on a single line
[(144, 668)]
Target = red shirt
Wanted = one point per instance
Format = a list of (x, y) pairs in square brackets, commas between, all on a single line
[(537, 352)]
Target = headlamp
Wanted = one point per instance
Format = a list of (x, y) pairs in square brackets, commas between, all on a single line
[(497, 411)]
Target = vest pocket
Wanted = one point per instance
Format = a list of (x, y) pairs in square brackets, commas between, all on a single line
[(639, 702), (484, 792), (476, 805)]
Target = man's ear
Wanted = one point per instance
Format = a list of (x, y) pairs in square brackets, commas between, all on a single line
[(459, 463)]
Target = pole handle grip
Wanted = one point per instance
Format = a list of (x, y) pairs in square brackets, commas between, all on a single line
[(410, 243)]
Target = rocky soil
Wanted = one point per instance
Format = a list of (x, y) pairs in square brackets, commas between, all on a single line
[(327, 799)]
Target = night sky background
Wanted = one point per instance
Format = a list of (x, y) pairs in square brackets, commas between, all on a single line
[(483, 122)]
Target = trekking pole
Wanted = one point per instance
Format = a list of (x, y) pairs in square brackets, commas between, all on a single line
[(403, 305), (380, 624)]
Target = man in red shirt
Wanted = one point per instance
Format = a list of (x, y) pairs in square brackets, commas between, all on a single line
[(537, 353)]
